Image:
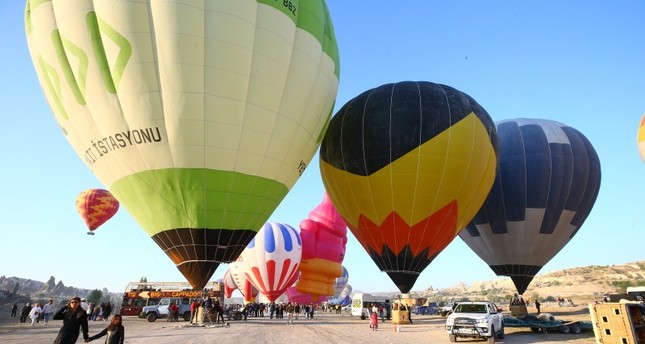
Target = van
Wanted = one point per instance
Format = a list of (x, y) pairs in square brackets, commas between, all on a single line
[(362, 305)]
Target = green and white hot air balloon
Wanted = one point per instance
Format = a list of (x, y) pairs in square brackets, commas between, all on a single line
[(198, 116)]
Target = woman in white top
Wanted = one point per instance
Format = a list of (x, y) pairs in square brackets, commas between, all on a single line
[(34, 313)]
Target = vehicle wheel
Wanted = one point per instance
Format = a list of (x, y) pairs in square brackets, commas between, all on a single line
[(151, 317), (500, 334), (186, 316), (535, 329), (491, 339), (453, 338), (237, 316), (564, 329), (575, 329)]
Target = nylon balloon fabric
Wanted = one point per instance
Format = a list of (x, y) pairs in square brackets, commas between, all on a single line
[(407, 165), (199, 116), (546, 186)]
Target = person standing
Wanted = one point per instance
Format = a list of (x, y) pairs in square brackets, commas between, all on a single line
[(537, 306), (48, 311), (193, 311), (24, 312), (289, 311), (74, 320), (14, 309), (115, 332)]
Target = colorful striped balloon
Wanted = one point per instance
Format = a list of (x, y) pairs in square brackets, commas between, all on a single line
[(271, 260), (96, 206)]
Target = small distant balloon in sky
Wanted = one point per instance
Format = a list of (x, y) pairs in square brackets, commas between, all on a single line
[(96, 206)]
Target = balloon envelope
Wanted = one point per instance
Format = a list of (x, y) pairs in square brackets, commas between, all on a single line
[(271, 260), (641, 138), (546, 186), (408, 165), (95, 207), (229, 284), (324, 237), (248, 290), (198, 116), (341, 282)]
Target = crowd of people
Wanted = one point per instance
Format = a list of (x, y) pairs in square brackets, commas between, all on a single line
[(75, 316)]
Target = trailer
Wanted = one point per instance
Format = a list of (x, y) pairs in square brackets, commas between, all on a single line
[(548, 325)]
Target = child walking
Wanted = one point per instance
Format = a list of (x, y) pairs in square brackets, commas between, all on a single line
[(374, 321)]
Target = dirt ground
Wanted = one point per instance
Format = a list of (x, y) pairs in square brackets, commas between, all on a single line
[(325, 328)]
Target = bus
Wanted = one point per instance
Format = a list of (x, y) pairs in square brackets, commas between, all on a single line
[(362, 304), (140, 294)]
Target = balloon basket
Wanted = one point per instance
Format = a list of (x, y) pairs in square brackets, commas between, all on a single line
[(90, 233)]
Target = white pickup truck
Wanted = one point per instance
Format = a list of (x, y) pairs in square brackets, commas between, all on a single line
[(475, 320), (160, 310)]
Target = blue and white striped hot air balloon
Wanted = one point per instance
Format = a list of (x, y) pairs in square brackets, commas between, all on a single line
[(271, 260)]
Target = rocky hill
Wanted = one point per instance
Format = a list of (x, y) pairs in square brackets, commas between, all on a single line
[(51, 288), (578, 283)]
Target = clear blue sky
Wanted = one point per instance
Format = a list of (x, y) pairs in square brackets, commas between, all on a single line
[(577, 62)]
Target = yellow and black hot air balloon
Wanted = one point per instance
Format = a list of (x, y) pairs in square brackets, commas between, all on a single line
[(408, 165)]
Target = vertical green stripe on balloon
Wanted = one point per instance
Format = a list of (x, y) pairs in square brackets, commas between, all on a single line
[(313, 17), (29, 7), (62, 46), (110, 75), (198, 198), (52, 81)]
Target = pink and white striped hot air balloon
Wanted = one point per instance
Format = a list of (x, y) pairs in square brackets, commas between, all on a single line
[(229, 284), (271, 260), (248, 290)]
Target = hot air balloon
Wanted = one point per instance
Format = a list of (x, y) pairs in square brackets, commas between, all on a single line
[(341, 282), (248, 290), (641, 138), (271, 260), (324, 237), (96, 206), (408, 165), (229, 284), (546, 186), (198, 116), (293, 295)]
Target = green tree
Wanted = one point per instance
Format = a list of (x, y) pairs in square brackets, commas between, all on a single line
[(143, 279), (95, 296)]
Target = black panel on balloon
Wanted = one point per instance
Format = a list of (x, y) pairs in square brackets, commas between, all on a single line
[(375, 148), (197, 251), (404, 268), (521, 275)]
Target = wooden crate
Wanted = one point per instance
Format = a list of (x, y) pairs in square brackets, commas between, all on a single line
[(619, 323)]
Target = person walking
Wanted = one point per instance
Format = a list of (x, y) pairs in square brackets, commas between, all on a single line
[(34, 313), (374, 321), (48, 311), (74, 321), (115, 332)]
